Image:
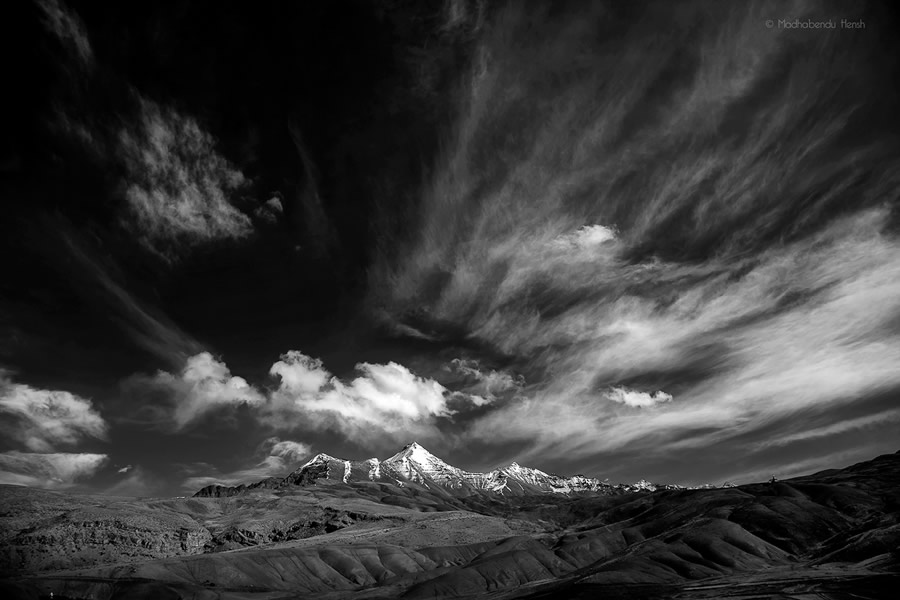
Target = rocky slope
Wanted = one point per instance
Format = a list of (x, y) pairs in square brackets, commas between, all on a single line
[(824, 535)]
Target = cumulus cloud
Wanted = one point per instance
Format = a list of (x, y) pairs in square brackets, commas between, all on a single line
[(637, 399), (67, 26), (300, 374), (280, 457), (51, 470), (387, 399), (179, 188), (384, 399), (202, 386), (43, 419)]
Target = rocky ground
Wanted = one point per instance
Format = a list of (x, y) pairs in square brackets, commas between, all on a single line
[(835, 534)]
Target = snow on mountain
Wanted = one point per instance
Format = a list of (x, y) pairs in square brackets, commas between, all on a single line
[(417, 465)]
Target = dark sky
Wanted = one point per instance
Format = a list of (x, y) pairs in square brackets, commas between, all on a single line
[(628, 240)]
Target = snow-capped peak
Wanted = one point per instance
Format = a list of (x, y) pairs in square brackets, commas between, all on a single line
[(319, 458), (416, 463)]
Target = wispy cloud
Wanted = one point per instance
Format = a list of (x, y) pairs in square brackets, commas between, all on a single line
[(484, 385), (148, 327), (137, 482), (49, 470), (280, 457), (44, 419), (679, 222), (202, 386), (68, 27), (179, 188)]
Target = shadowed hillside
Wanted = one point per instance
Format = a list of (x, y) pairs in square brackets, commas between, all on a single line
[(822, 534)]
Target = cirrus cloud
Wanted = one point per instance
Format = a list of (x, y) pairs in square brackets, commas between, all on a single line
[(178, 186)]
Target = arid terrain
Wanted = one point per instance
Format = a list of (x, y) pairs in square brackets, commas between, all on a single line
[(834, 534)]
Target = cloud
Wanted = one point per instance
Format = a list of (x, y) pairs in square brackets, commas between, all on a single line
[(288, 450), (484, 386), (587, 237), (67, 26), (384, 400), (636, 398), (300, 374), (178, 188), (139, 482), (281, 456), (125, 469), (697, 226), (149, 328), (204, 385), (43, 419), (50, 470), (270, 212)]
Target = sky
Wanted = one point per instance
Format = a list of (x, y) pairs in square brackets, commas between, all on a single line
[(627, 240)]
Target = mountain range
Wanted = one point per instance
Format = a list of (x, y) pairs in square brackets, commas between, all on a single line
[(416, 528), (414, 464)]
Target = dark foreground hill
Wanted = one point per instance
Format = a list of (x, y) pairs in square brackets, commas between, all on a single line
[(832, 535)]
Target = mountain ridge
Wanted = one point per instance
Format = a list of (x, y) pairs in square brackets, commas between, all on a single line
[(414, 464)]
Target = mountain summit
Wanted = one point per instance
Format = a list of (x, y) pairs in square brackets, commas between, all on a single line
[(415, 466)]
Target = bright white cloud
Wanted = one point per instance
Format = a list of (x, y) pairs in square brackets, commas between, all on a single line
[(637, 399), (43, 419), (731, 280), (772, 359), (203, 385), (585, 238), (385, 399), (178, 186), (49, 470), (300, 374)]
